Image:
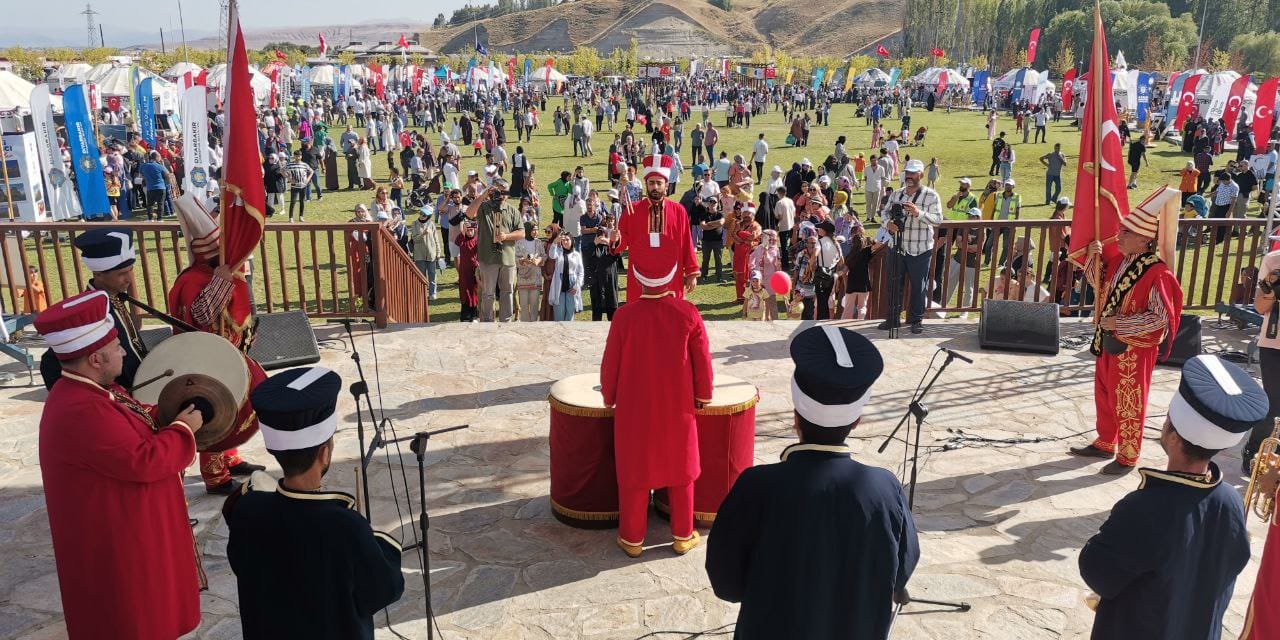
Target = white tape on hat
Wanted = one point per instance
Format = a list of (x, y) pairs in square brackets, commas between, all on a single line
[(837, 342), (303, 381), (1220, 374)]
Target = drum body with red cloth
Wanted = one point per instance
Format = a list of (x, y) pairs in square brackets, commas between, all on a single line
[(584, 483), (726, 446)]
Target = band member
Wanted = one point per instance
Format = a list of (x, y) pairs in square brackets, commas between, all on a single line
[(656, 371), (117, 515), (815, 546), (215, 298), (1165, 562), (1142, 302), (108, 253), (655, 234), (1262, 621), (307, 564)]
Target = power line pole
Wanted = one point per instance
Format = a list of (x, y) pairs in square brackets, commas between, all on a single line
[(88, 14)]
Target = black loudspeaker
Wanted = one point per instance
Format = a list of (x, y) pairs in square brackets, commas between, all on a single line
[(284, 340), (1186, 344), (1013, 325)]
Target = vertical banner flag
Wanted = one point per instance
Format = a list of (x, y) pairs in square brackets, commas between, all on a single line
[(1131, 96), (511, 72), (85, 157), (417, 79), (337, 83), (306, 84), (1018, 81), (1144, 96), (1218, 103), (818, 77), (893, 76), (528, 69), (942, 83), (1068, 88), (1234, 101), (244, 198), (790, 72), (1175, 91), (1186, 100), (980, 81), (324, 46), (275, 86), (471, 71), (195, 139), (135, 77), (1101, 193), (550, 62), (61, 192), (848, 77), (147, 113), (1032, 43), (1264, 114)]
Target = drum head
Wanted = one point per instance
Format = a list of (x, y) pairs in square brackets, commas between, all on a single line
[(582, 390), (729, 391), (189, 353), (210, 396)]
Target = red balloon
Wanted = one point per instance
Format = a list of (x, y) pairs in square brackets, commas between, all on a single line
[(780, 282)]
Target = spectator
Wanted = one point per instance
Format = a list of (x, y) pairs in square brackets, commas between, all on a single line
[(1224, 199), (530, 255), (566, 281), (1053, 163), (428, 252), (155, 180), (299, 175), (921, 213)]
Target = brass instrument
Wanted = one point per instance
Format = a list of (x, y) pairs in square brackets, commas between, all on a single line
[(1265, 461)]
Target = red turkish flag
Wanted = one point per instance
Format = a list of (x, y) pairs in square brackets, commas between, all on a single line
[(942, 83), (244, 197), (511, 72), (417, 79), (402, 43), (1068, 88), (1264, 114), (275, 86), (1032, 43), (202, 78), (881, 50), (1235, 99), (1101, 193), (1187, 101), (324, 46), (113, 104), (938, 53)]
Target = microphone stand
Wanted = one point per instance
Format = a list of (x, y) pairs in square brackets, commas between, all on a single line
[(358, 389), (919, 411)]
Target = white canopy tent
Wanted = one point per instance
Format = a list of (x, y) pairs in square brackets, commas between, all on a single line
[(1006, 82), (15, 94), (216, 80), (871, 78), (69, 74), (180, 69), (491, 75), (323, 74), (930, 77), (540, 78), (118, 81)]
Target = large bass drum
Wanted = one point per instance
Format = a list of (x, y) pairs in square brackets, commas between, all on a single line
[(200, 368)]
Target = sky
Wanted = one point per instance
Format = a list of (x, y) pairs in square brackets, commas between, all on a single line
[(57, 22)]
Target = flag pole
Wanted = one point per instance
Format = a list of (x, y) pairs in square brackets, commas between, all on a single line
[(1095, 92)]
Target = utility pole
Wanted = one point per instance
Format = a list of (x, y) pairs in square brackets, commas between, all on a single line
[(162, 49), (88, 14), (182, 26), (1200, 42)]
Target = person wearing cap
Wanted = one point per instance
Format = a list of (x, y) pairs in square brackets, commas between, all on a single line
[(307, 563), (1164, 563), (959, 204), (428, 250), (655, 373), (1007, 206), (921, 213), (108, 253), (655, 234), (113, 487), (964, 265), (499, 228), (214, 298), (1141, 305), (816, 546)]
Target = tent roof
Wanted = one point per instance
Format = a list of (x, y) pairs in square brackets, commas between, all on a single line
[(931, 75), (14, 91), (178, 69), (73, 71), (871, 76), (117, 81)]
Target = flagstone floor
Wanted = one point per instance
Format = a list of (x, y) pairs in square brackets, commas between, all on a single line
[(1001, 523)]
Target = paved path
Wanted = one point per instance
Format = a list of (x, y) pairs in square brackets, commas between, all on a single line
[(1001, 524)]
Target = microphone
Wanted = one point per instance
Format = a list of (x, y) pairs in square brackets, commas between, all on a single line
[(955, 355)]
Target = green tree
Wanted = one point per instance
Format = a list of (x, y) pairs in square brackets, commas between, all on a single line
[(1259, 52), (1063, 61), (346, 58), (439, 22)]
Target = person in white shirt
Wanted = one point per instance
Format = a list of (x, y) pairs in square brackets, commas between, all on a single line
[(759, 154), (587, 130), (875, 175), (784, 212)]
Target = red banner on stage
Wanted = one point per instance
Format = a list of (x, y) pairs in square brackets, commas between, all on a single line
[(1101, 193), (244, 197), (1032, 43)]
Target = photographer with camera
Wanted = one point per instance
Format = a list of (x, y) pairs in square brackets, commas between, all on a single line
[(912, 215), (1264, 300), (499, 228)]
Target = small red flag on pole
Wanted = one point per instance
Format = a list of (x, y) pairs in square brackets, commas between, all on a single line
[(244, 197)]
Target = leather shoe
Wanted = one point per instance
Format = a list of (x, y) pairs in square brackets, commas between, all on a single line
[(682, 547), (917, 327), (244, 468), (632, 550), (225, 489), (1114, 468), (886, 325), (1088, 452)]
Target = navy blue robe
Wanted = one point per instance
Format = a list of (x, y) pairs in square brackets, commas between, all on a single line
[(813, 547), (1165, 562), (308, 565)]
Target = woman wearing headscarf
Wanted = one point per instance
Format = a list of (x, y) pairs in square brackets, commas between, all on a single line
[(766, 258)]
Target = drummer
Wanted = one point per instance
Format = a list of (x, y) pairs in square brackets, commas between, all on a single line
[(117, 513), (215, 298), (108, 253)]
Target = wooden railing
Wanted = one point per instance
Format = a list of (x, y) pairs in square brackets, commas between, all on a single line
[(1210, 272), (325, 269)]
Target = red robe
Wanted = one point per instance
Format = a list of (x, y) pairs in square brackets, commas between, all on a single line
[(117, 514), (656, 363), (675, 245), (1262, 620), (216, 306)]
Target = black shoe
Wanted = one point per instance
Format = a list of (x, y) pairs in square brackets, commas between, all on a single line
[(1089, 452), (225, 489), (1114, 468), (245, 468), (887, 325), (917, 327)]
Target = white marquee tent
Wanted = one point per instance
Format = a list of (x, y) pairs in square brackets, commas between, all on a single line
[(872, 77), (216, 79), (1006, 82), (69, 74), (930, 76), (539, 78), (181, 68)]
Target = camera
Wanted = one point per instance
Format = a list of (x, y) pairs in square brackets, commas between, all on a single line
[(897, 214), (1267, 284)]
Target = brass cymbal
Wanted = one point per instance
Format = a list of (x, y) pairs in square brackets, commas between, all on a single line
[(210, 396)]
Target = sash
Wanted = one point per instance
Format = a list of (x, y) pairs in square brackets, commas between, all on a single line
[(1115, 298)]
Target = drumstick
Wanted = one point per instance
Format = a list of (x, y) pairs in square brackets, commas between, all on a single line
[(166, 374), (359, 505)]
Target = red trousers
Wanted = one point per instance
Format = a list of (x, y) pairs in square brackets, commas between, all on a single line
[(1262, 620), (633, 513), (741, 268), (1121, 384), (215, 467)]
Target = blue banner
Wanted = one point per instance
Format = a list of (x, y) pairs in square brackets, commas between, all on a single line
[(147, 113), (86, 161), (306, 84), (528, 69), (470, 74), (346, 82), (1175, 97), (1018, 81), (337, 82), (818, 77), (980, 81), (1144, 96), (893, 76)]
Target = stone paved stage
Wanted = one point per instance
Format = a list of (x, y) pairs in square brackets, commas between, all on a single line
[(1001, 526)]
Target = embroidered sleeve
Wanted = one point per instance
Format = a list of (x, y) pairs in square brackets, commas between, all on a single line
[(210, 302), (1155, 318)]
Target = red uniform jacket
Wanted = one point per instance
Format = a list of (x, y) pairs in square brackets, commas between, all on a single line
[(1262, 621), (117, 514), (656, 362), (1151, 308), (675, 245)]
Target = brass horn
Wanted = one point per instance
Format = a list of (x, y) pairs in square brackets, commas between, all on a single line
[(1262, 500)]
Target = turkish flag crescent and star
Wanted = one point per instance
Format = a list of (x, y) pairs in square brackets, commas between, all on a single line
[(1187, 101), (1068, 88), (244, 197), (942, 82), (1264, 114), (938, 53), (1032, 44), (1101, 193), (1235, 98), (881, 50)]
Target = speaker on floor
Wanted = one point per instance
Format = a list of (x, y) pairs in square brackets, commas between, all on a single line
[(284, 340), (1014, 325), (1186, 344)]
